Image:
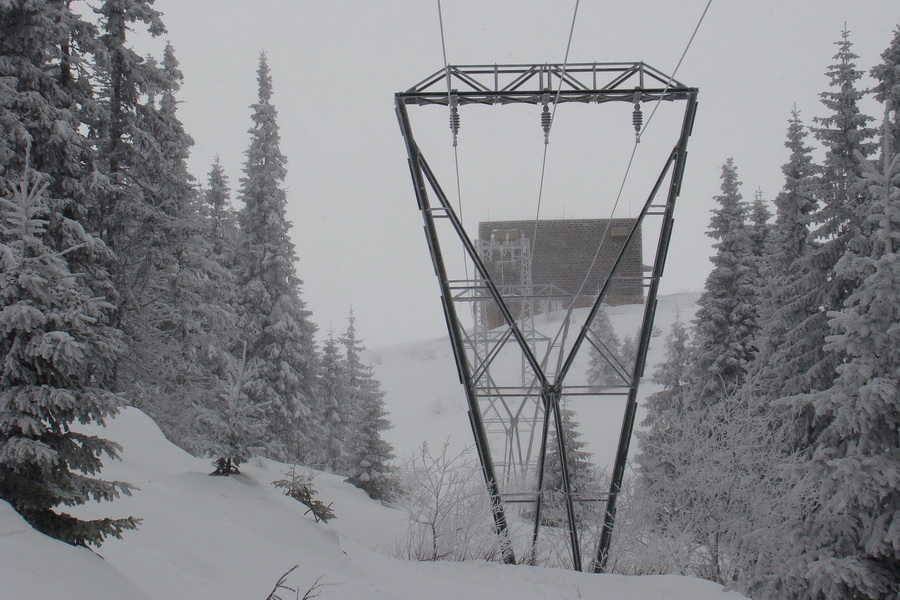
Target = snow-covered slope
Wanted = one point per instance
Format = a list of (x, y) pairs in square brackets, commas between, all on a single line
[(427, 403), (33, 565), (224, 538), (220, 538)]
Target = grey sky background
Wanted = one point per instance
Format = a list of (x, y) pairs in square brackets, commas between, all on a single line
[(337, 64)]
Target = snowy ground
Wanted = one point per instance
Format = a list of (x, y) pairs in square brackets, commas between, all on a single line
[(222, 538)]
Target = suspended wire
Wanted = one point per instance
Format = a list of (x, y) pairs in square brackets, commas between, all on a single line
[(454, 125), (677, 66), (550, 127), (606, 229), (444, 47), (631, 161)]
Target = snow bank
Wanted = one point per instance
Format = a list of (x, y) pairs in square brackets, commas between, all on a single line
[(34, 566)]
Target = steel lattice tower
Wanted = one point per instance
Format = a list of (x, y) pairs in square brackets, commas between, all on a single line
[(525, 411)]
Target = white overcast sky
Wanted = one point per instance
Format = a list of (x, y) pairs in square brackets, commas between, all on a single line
[(336, 65)]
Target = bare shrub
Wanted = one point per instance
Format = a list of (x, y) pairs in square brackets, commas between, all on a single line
[(448, 508)]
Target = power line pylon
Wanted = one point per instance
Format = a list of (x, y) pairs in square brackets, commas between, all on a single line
[(588, 83)]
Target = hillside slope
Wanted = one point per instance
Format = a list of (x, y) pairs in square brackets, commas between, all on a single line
[(230, 538)]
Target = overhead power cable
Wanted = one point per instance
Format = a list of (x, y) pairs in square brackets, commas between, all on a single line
[(550, 127), (454, 125), (631, 159)]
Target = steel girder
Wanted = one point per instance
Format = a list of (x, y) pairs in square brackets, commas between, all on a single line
[(529, 84), (532, 84)]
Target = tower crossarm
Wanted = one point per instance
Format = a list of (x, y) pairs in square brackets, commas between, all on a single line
[(529, 84)]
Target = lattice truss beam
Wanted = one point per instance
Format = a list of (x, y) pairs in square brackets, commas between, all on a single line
[(529, 84), (512, 421)]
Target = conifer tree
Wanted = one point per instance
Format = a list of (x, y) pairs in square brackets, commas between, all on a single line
[(273, 318), (199, 287), (222, 219), (788, 353), (840, 192), (212, 341), (235, 427), (846, 135), (221, 231), (353, 349), (123, 74), (171, 308), (665, 409), (334, 410), (581, 470), (848, 546), (758, 217), (605, 365), (727, 317), (629, 352), (56, 344), (127, 221), (370, 468), (887, 91), (46, 97), (369, 455)]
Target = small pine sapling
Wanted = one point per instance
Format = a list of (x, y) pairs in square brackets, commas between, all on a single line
[(236, 426), (298, 485)]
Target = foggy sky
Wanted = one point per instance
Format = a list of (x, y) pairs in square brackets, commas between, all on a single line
[(336, 65)]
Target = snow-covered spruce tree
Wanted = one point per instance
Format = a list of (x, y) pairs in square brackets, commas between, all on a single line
[(370, 468), (887, 91), (46, 97), (760, 229), (629, 352), (840, 192), (727, 314), (794, 206), (845, 134), (848, 546), (369, 456), (353, 349), (185, 309), (125, 220), (235, 427), (273, 319), (605, 364), (170, 307), (787, 351), (333, 409), (581, 472), (217, 364), (222, 220), (665, 409), (55, 345), (122, 75)]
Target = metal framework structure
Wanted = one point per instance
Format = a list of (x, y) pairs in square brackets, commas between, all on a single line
[(521, 409), (512, 418)]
